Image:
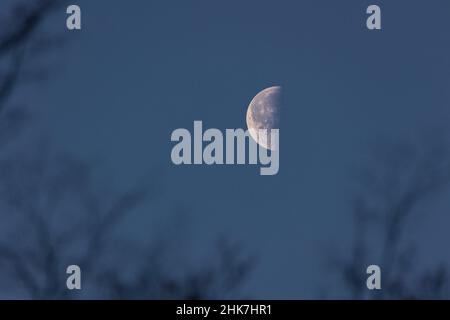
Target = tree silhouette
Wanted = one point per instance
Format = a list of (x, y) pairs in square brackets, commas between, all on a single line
[(18, 33), (53, 216), (396, 190), (53, 213)]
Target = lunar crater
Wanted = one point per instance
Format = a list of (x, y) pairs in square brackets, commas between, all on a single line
[(264, 113)]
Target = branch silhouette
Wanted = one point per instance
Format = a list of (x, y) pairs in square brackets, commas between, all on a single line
[(394, 190), (23, 25), (53, 213)]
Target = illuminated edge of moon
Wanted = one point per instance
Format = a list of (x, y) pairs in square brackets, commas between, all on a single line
[(262, 141)]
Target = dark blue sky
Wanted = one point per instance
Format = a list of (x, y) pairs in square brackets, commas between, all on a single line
[(138, 70)]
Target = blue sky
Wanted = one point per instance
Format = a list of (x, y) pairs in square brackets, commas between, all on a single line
[(138, 71)]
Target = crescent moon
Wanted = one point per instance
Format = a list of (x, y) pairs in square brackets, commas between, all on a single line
[(264, 113)]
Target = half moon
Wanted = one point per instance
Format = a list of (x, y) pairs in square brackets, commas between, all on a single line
[(264, 114)]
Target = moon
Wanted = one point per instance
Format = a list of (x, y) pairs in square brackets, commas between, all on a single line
[(264, 113)]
